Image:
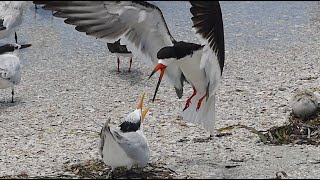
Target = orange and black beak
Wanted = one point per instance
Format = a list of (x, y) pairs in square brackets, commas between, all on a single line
[(143, 113), (157, 68)]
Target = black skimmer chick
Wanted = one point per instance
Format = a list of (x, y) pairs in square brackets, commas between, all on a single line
[(126, 145), (139, 25), (120, 50), (11, 13), (10, 68), (305, 104)]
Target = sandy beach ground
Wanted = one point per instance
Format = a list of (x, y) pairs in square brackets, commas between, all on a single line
[(70, 79)]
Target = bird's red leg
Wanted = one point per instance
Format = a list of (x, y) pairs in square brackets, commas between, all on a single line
[(130, 64), (189, 100), (205, 96), (200, 101), (118, 61)]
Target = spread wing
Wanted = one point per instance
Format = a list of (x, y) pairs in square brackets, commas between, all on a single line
[(208, 26), (139, 25)]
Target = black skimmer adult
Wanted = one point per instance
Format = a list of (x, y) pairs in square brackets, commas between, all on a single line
[(127, 145), (201, 64), (120, 51), (10, 67), (11, 13), (139, 25), (142, 28)]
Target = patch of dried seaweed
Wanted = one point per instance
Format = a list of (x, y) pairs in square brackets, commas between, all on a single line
[(57, 176), (295, 131), (96, 169)]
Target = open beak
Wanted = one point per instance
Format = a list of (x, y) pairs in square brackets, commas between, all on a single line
[(140, 103), (157, 68), (144, 113)]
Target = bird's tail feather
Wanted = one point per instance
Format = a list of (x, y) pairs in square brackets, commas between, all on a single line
[(205, 116), (105, 131)]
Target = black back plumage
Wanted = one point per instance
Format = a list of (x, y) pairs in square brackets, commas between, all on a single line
[(207, 20), (179, 50), (7, 48), (116, 47), (127, 126), (11, 47)]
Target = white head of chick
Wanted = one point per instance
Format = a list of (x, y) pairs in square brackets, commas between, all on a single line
[(127, 145)]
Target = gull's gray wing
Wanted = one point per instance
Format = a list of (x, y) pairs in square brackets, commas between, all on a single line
[(139, 25)]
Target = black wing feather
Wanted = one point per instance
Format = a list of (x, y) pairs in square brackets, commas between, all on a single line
[(207, 20)]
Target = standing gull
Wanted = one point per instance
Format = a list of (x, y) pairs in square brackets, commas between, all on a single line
[(11, 13), (120, 50), (10, 68), (127, 145)]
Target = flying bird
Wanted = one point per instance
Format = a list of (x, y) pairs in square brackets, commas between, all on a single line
[(10, 68), (11, 13), (127, 145), (120, 50), (142, 28), (139, 25), (202, 64)]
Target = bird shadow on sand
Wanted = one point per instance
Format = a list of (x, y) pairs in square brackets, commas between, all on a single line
[(6, 103), (96, 169), (134, 77)]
